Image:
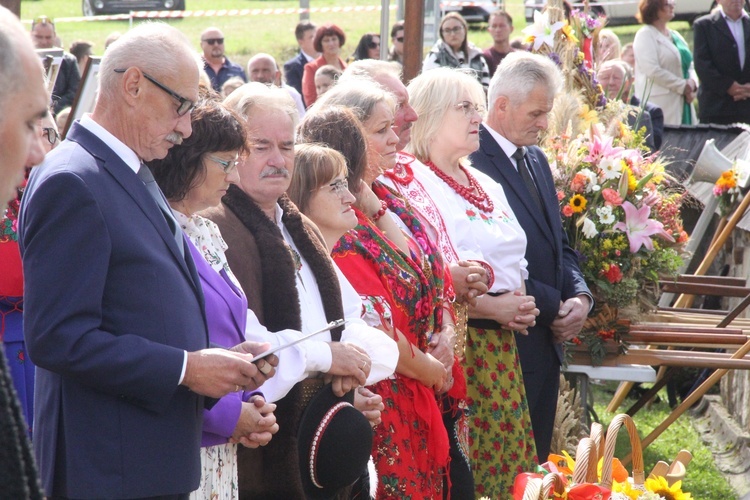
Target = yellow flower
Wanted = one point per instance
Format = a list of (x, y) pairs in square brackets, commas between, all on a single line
[(632, 181), (626, 489), (660, 486), (567, 30), (588, 117), (577, 203)]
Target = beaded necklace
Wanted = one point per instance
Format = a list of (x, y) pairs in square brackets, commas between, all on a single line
[(481, 200)]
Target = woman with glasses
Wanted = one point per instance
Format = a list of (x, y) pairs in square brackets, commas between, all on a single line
[(194, 176), (11, 287), (404, 287), (368, 47), (474, 222), (329, 39), (454, 50), (664, 74)]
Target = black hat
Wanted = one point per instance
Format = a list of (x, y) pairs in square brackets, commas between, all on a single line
[(335, 442)]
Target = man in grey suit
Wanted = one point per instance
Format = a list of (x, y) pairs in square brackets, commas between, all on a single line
[(114, 316)]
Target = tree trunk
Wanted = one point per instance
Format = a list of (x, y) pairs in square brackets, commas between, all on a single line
[(12, 5)]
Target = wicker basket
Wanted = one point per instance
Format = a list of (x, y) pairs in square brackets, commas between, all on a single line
[(540, 489), (609, 450)]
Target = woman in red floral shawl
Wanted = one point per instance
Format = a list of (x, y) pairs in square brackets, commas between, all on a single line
[(402, 282)]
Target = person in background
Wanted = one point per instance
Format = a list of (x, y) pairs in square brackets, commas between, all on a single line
[(521, 96), (61, 120), (128, 353), (11, 287), (722, 65), (608, 47), (627, 55), (24, 101), (111, 38), (329, 39), (81, 49), (194, 176), (368, 47), (396, 54), (454, 50), (231, 85), (664, 73), (294, 68), (325, 78), (262, 68), (616, 78), (43, 34), (215, 63), (500, 26)]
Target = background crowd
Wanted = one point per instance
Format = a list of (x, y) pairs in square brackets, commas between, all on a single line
[(205, 212)]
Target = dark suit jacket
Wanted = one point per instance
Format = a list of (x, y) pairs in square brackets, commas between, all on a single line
[(657, 120), (66, 85), (717, 65), (293, 70), (110, 308), (554, 274)]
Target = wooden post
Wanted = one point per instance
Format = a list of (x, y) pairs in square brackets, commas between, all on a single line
[(413, 39), (304, 6)]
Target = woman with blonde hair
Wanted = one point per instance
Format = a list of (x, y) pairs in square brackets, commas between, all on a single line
[(476, 224)]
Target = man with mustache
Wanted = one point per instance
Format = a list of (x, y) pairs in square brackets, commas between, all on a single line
[(279, 256), (114, 316)]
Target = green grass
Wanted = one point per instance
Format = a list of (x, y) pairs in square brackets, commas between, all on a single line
[(702, 480)]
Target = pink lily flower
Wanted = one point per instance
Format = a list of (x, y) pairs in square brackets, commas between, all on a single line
[(640, 228), (601, 147)]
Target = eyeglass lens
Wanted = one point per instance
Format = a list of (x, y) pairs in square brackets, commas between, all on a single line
[(214, 41)]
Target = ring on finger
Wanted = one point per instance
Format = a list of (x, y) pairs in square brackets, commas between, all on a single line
[(265, 368), (237, 388)]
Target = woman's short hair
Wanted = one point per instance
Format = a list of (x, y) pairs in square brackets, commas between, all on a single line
[(361, 95), (648, 11), (330, 71), (338, 128), (315, 166), (216, 128), (432, 95), (328, 30), (458, 17), (614, 52), (362, 50)]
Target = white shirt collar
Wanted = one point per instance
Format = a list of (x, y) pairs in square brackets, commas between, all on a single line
[(307, 56), (508, 147), (729, 19), (125, 153)]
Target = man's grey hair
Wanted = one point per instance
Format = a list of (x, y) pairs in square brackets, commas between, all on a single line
[(11, 78), (519, 73), (259, 56), (625, 69), (360, 95), (154, 47), (255, 96), (370, 68)]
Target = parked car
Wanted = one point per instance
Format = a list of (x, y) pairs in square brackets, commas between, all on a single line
[(621, 12), (473, 12), (99, 7)]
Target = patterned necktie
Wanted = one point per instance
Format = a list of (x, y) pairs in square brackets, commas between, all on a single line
[(523, 169), (153, 189)]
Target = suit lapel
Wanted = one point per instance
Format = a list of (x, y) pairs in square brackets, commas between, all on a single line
[(551, 207), (505, 168), (132, 185)]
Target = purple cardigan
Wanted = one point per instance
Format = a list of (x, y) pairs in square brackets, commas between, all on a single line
[(226, 315)]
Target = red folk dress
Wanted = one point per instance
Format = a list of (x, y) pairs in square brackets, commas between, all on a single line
[(410, 447)]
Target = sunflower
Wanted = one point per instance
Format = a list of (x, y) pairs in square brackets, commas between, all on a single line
[(577, 203), (660, 486)]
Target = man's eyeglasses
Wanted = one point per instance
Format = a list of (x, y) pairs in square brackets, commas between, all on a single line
[(51, 135), (186, 105), (449, 31), (226, 165), (214, 41), (469, 107), (400, 39)]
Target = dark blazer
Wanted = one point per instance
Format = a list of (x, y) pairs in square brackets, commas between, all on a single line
[(66, 85), (718, 66), (554, 275), (110, 308), (657, 120), (293, 70)]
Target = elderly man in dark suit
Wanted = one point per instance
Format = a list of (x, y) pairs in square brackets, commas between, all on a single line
[(294, 68), (721, 41), (114, 316), (520, 97)]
